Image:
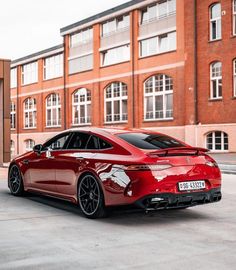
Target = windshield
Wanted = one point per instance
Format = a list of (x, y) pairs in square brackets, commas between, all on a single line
[(150, 141)]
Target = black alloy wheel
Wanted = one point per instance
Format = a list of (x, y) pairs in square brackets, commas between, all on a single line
[(15, 181), (90, 197)]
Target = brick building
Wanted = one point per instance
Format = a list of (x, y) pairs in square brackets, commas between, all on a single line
[(4, 111), (162, 65)]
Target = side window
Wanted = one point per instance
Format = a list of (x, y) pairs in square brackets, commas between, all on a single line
[(104, 145), (58, 142), (93, 143), (78, 141)]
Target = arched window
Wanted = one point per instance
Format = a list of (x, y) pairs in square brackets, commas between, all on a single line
[(215, 21), (81, 100), (116, 98), (29, 144), (12, 148), (53, 110), (234, 76), (30, 113), (13, 115), (217, 141), (158, 98), (216, 80)]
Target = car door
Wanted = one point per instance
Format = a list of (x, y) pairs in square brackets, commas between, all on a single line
[(43, 165), (72, 161)]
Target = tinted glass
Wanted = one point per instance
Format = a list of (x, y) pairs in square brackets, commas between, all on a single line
[(93, 143), (57, 143), (104, 145), (150, 141), (78, 141)]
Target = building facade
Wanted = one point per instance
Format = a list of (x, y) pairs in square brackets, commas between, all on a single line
[(4, 111), (165, 65)]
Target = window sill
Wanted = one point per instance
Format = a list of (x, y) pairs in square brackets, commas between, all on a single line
[(59, 126), (28, 84), (158, 120), (51, 79), (214, 99), (118, 63), (28, 128), (79, 72), (157, 54), (218, 151), (114, 123), (81, 125), (215, 40)]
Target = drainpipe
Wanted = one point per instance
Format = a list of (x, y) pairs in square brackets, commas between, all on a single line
[(64, 80), (17, 111), (132, 79), (195, 66)]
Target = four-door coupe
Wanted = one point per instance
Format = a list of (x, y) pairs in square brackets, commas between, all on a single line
[(101, 167)]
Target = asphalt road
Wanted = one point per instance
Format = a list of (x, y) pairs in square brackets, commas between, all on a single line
[(44, 233)]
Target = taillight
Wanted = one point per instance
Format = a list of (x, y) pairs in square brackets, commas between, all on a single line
[(211, 164), (148, 167)]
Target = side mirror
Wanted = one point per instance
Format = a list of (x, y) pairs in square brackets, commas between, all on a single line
[(38, 148)]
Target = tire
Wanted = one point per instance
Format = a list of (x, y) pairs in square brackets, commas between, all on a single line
[(91, 198), (15, 181)]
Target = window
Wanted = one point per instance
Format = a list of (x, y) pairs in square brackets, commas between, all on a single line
[(13, 115), (81, 37), (13, 77), (12, 148), (158, 11), (80, 63), (234, 17), (53, 110), (29, 73), (57, 143), (81, 107), (79, 140), (115, 25), (97, 143), (215, 21), (29, 145), (30, 113), (150, 140), (53, 67), (116, 55), (159, 44), (216, 80), (234, 76), (217, 141), (116, 98), (158, 98)]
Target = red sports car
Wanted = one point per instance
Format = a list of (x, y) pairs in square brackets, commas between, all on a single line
[(101, 167)]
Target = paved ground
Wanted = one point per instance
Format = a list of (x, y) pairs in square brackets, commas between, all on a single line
[(43, 233), (226, 162)]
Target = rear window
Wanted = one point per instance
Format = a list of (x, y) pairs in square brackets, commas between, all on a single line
[(150, 141)]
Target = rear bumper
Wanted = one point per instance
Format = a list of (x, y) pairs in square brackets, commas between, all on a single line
[(180, 200)]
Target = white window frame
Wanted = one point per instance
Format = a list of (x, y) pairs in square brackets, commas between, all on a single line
[(217, 79), (214, 141), (29, 73), (13, 77), (158, 42), (49, 111), (157, 17), (234, 76), (76, 105), (116, 25), (234, 17), (82, 37), (13, 115), (217, 21), (53, 67), (154, 94), (117, 54), (29, 145), (121, 117), (30, 111)]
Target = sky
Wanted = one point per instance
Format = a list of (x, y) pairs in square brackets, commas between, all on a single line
[(28, 26)]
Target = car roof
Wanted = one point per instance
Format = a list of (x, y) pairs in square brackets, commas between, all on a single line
[(108, 130)]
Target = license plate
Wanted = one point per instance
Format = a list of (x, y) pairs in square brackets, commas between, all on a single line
[(191, 185)]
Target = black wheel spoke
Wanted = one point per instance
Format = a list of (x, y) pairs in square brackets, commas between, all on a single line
[(15, 179)]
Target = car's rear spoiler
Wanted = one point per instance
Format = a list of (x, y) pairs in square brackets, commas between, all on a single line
[(178, 151)]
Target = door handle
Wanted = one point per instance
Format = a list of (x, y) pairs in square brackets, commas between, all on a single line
[(25, 161)]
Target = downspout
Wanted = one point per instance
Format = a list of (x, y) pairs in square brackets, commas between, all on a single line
[(195, 66), (17, 112), (64, 80), (132, 72)]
